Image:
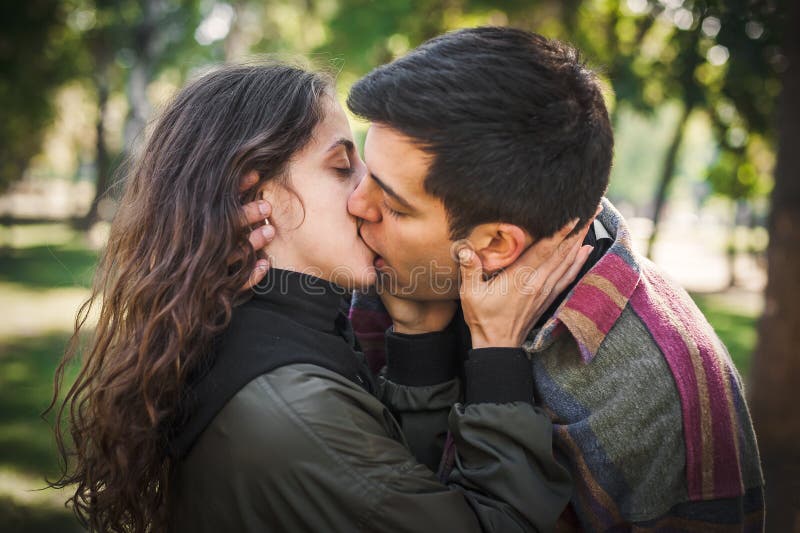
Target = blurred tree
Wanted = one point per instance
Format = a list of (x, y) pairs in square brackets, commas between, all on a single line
[(685, 89), (125, 43), (369, 33), (775, 378), (36, 56), (720, 58), (156, 33), (99, 27)]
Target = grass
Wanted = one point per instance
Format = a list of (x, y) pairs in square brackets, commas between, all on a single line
[(34, 519), (27, 366), (40, 288), (27, 449), (735, 324), (47, 267)]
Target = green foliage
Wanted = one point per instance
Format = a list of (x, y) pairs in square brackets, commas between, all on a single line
[(723, 58), (736, 176), (44, 43), (736, 327), (36, 56)]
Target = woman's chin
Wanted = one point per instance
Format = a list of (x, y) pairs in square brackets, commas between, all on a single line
[(367, 280), (355, 277)]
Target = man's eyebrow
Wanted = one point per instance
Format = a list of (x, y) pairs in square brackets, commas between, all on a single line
[(388, 190), (347, 143)]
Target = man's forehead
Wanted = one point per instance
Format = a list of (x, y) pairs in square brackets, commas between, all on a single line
[(395, 159)]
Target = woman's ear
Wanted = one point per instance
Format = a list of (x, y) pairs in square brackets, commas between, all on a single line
[(268, 193), (498, 244), (287, 212)]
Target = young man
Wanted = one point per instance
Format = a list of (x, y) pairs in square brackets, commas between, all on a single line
[(492, 139)]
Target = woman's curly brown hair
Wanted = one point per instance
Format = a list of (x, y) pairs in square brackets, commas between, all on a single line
[(164, 287)]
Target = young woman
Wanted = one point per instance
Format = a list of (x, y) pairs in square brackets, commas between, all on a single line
[(203, 407)]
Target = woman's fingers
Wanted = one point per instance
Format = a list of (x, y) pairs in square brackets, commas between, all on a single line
[(563, 280), (559, 243), (555, 268), (545, 255), (471, 269), (545, 281), (565, 261), (574, 269)]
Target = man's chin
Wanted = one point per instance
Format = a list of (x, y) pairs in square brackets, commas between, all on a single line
[(389, 283)]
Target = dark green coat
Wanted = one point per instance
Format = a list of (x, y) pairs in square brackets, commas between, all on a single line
[(305, 447)]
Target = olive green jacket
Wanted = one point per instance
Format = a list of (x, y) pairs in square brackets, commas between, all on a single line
[(306, 448)]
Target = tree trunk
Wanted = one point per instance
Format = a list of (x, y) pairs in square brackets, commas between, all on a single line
[(149, 44), (667, 174), (775, 379), (102, 159), (234, 45), (732, 249)]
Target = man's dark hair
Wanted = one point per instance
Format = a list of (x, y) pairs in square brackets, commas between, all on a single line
[(515, 122)]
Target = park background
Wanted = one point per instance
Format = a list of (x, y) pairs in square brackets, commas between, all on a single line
[(701, 169)]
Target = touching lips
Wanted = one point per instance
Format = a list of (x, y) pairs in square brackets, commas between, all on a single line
[(378, 262)]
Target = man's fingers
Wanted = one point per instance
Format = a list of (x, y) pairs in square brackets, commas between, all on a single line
[(257, 211), (248, 180), (261, 236), (260, 270)]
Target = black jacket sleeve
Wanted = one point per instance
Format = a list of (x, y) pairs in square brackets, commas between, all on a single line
[(420, 385)]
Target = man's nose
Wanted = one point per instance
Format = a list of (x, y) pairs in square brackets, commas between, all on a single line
[(360, 203)]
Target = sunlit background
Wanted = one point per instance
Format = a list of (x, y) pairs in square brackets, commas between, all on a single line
[(692, 88)]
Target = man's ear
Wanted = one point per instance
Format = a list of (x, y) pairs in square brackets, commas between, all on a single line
[(498, 244)]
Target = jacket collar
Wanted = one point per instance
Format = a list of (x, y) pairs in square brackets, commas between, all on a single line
[(596, 302), (311, 301)]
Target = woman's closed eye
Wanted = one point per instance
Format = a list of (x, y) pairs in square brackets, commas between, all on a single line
[(345, 172)]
